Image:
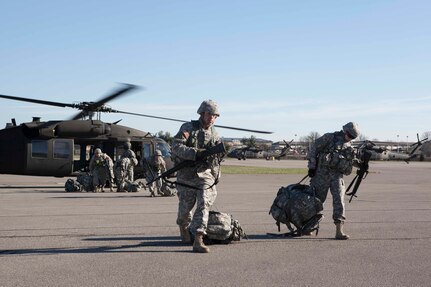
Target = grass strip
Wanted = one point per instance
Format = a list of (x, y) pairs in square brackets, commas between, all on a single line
[(233, 169)]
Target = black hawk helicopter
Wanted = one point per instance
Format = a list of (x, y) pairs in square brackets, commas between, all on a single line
[(279, 154), (64, 147)]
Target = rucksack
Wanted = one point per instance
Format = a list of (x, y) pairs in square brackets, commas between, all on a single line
[(297, 205), (72, 186), (223, 229), (86, 181)]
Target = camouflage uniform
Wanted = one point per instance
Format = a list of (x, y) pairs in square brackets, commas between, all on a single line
[(130, 154), (331, 157), (121, 171), (101, 167), (155, 167), (200, 179)]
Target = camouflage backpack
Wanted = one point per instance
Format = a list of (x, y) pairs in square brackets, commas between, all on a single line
[(223, 229), (296, 204), (168, 189)]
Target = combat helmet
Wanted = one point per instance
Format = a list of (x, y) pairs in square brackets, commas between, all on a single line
[(158, 152), (351, 129), (209, 106), (127, 145)]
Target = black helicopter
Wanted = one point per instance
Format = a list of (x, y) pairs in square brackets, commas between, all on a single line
[(241, 152), (64, 147), (279, 154)]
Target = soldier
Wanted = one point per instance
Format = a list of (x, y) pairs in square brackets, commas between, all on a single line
[(121, 172), (101, 167), (155, 167), (129, 153), (331, 157), (196, 185)]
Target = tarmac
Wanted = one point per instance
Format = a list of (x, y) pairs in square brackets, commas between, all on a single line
[(52, 238)]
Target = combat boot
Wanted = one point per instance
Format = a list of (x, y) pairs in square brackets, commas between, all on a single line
[(339, 234), (185, 235), (198, 244)]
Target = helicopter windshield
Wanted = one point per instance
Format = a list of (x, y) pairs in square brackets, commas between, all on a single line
[(164, 148)]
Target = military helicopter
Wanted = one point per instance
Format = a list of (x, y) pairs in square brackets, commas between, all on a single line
[(64, 147), (279, 154), (241, 152)]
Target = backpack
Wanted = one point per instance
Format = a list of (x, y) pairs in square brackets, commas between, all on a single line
[(168, 189), (86, 181), (72, 186), (297, 205), (223, 229)]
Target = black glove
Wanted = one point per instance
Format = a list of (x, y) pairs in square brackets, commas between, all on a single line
[(311, 172), (201, 154)]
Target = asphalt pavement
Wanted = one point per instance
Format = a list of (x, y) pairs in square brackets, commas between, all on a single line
[(52, 238)]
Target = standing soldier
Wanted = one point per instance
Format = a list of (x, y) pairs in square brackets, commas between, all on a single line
[(101, 167), (331, 157), (130, 154), (155, 167), (121, 172), (196, 184)]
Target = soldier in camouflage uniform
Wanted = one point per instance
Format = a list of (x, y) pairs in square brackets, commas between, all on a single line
[(155, 167), (331, 157), (121, 171), (101, 168), (130, 154), (196, 185)]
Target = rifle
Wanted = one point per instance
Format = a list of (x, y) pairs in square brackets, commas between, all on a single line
[(365, 151), (217, 149)]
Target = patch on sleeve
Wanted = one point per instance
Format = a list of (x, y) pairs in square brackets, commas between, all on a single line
[(186, 135)]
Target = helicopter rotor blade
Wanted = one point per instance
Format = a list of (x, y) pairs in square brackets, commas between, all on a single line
[(241, 129), (36, 101), (119, 92), (92, 107), (182, 121)]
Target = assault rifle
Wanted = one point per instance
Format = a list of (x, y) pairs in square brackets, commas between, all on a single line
[(217, 149), (364, 155)]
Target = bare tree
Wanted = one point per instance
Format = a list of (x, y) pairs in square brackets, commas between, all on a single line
[(251, 141), (426, 135)]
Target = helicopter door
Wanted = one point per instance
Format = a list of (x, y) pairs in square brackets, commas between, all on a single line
[(52, 157)]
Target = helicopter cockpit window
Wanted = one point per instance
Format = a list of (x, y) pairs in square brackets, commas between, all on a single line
[(164, 148), (61, 149), (146, 150), (39, 148)]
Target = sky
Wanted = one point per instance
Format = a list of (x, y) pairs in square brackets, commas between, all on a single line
[(290, 67)]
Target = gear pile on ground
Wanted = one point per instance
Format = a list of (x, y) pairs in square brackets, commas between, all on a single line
[(223, 229), (297, 205)]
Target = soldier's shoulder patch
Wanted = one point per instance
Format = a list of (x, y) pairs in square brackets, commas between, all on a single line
[(186, 134)]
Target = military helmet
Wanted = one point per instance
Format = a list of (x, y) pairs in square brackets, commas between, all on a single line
[(158, 152), (351, 129), (209, 106), (127, 145)]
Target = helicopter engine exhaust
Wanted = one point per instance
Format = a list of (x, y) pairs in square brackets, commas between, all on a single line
[(81, 129)]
